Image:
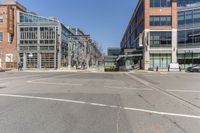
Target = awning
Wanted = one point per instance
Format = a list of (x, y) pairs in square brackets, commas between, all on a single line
[(126, 56)]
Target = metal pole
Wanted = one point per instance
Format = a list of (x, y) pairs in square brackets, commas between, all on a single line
[(184, 58), (192, 58)]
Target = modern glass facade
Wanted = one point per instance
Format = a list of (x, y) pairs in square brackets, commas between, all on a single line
[(189, 18), (186, 2), (160, 60), (42, 42), (136, 26), (189, 35), (189, 38), (32, 18)]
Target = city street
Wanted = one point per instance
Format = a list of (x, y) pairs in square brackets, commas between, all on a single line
[(61, 102)]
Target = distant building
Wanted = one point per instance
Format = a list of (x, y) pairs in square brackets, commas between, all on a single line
[(189, 35), (114, 51), (86, 51), (42, 42), (8, 33), (110, 61), (155, 37)]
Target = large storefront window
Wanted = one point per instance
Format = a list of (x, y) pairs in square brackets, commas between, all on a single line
[(160, 60), (47, 60), (31, 60), (160, 39), (188, 59), (189, 38)]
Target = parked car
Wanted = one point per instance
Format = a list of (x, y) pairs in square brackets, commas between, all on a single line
[(174, 67), (195, 68)]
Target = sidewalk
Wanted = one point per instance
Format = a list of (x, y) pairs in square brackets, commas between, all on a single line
[(160, 72), (59, 70)]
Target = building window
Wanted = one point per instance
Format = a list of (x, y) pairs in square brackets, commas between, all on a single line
[(160, 39), (181, 18), (28, 35), (196, 16), (47, 35), (10, 37), (189, 38), (160, 3), (1, 36), (160, 60), (1, 19), (160, 20), (189, 17)]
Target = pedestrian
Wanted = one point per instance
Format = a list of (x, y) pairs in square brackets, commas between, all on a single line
[(18, 65)]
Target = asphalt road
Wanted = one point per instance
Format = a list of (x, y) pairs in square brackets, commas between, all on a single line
[(99, 102)]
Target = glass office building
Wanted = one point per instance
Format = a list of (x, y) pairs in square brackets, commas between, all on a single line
[(189, 35), (150, 38), (42, 42), (186, 2)]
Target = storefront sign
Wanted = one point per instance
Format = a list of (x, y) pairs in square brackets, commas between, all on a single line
[(10, 19), (9, 57)]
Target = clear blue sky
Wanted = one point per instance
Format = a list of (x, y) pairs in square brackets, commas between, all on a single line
[(104, 20)]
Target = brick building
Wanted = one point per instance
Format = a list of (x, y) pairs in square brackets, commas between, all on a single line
[(150, 40), (151, 36), (8, 33)]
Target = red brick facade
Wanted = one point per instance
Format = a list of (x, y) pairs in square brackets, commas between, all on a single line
[(7, 47)]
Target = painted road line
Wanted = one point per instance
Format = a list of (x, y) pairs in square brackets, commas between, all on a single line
[(31, 81), (103, 105), (188, 91), (180, 99), (50, 83), (162, 113), (125, 88)]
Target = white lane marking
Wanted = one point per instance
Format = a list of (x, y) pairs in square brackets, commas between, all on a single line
[(48, 83), (51, 77), (190, 91), (125, 88), (102, 105), (162, 113), (56, 99)]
